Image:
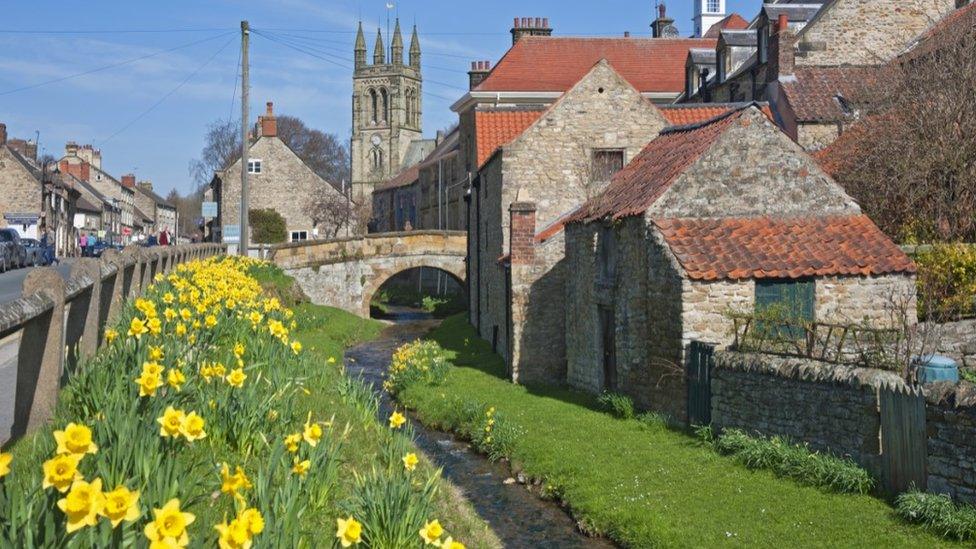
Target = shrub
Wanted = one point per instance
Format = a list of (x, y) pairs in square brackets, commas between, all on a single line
[(797, 462), (267, 226), (617, 405), (939, 514), (430, 304), (946, 281), (416, 362)]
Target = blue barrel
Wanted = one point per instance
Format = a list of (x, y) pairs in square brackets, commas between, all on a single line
[(932, 368)]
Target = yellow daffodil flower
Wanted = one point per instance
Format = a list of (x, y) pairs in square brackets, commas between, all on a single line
[(185, 314), (252, 517), (349, 531), (410, 461), (60, 471), (169, 525), (192, 427), (312, 433), (83, 504), (5, 459), (233, 483), (292, 441), (296, 347), (175, 378), (155, 326), (301, 467), (75, 439), (397, 420), (148, 384), (121, 504), (431, 532), (331, 360), (137, 327), (449, 543), (180, 329), (171, 422), (236, 378), (233, 535), (239, 349), (155, 353), (110, 335), (168, 298)]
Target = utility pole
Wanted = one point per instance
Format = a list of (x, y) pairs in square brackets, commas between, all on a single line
[(245, 35)]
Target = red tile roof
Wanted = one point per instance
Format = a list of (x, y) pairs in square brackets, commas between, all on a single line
[(766, 247), (732, 22), (813, 92), (406, 177), (635, 188), (694, 113), (555, 64), (496, 128)]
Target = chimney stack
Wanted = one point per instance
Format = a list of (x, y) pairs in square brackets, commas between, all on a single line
[(146, 185), (522, 233), (129, 180), (479, 71), (269, 125), (663, 26), (27, 149), (529, 26), (3, 134), (71, 149), (781, 54)]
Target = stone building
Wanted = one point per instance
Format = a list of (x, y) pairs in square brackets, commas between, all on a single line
[(85, 163), (813, 61), (161, 213), (387, 121), (277, 179), (96, 214), (723, 216)]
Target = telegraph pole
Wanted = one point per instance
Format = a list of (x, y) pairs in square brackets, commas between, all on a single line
[(245, 35)]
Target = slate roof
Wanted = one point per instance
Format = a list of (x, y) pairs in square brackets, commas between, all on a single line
[(552, 64), (83, 205), (701, 56), (731, 22), (813, 92), (411, 174), (767, 247), (741, 38), (406, 177), (496, 128), (641, 182), (794, 12)]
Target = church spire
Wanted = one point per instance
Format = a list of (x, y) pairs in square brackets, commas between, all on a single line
[(360, 49), (396, 47), (415, 49), (379, 51)]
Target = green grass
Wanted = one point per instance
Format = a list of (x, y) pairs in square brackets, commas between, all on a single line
[(643, 484)]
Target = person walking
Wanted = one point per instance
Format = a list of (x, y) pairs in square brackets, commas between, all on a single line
[(83, 244), (164, 238)]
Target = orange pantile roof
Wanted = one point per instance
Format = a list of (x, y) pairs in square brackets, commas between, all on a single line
[(406, 177), (815, 92), (635, 188), (732, 22), (766, 247), (555, 64), (694, 113), (496, 128)]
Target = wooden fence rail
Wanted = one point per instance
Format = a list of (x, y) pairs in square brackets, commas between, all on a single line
[(61, 322)]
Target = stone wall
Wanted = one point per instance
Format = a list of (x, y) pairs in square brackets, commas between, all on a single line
[(957, 340), (950, 415), (814, 137), (830, 407), (881, 301), (866, 32), (538, 316), (21, 191)]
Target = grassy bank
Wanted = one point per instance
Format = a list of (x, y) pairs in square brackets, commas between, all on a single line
[(640, 483), (219, 410)]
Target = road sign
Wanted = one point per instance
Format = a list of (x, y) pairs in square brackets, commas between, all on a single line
[(232, 233), (208, 209)]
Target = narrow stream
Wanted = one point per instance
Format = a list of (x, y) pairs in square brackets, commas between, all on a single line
[(518, 517)]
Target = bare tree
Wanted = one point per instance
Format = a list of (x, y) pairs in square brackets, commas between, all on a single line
[(222, 146), (330, 211), (910, 161)]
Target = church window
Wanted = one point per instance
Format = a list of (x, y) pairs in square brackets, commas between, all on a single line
[(714, 6), (409, 102), (374, 104), (254, 165), (385, 114), (376, 158)]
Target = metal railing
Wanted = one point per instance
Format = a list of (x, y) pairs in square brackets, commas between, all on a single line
[(61, 322)]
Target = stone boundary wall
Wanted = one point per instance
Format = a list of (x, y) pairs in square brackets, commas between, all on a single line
[(60, 323), (833, 408), (950, 421), (957, 340), (312, 253)]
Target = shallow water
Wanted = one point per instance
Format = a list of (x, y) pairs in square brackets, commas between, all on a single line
[(518, 517)]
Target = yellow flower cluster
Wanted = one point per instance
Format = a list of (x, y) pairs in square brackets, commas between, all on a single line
[(176, 423)]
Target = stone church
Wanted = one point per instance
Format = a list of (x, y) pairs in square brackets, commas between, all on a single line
[(387, 129)]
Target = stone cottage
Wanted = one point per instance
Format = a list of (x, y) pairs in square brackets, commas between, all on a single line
[(277, 179), (726, 215)]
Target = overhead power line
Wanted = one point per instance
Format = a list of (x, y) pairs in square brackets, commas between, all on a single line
[(168, 94), (113, 65), (110, 31)]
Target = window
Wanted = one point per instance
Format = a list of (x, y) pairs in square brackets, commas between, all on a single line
[(791, 301), (721, 66), (297, 236), (606, 163), (385, 114), (763, 43), (713, 6), (376, 158), (606, 247), (373, 106), (254, 165)]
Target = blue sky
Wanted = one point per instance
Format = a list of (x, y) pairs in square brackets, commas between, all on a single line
[(149, 116)]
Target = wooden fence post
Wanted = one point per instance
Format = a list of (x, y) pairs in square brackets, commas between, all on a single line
[(39, 358)]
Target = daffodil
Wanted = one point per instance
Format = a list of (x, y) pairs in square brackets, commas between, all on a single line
[(110, 335), (168, 298), (331, 360), (5, 459), (349, 531), (219, 370), (75, 439), (312, 433), (397, 420), (252, 517), (239, 349), (301, 467), (431, 532), (155, 353), (211, 321), (171, 422), (175, 378), (82, 505), (155, 326), (121, 504), (292, 441), (410, 461), (60, 471), (233, 483), (296, 347), (169, 525), (185, 314), (236, 378), (148, 384), (192, 427), (180, 329), (233, 535), (450, 543), (137, 327)]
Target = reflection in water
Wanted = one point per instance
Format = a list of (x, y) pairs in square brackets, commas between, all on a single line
[(518, 517)]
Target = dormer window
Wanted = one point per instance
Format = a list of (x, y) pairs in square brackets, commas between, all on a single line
[(692, 79), (763, 43)]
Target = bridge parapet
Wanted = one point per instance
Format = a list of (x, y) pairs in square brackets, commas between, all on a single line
[(312, 253)]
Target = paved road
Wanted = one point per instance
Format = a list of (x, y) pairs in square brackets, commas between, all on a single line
[(11, 283)]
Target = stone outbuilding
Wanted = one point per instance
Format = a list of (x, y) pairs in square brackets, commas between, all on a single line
[(723, 216)]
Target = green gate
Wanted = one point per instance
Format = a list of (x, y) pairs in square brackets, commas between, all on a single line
[(904, 441), (698, 378)]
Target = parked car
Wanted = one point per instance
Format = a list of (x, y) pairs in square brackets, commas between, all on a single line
[(34, 252), (17, 251), (96, 247), (6, 257)]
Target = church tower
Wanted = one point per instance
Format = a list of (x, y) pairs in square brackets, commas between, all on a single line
[(386, 109), (707, 13)]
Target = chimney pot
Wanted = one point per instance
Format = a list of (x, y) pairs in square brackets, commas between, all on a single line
[(626, 34), (515, 23), (538, 22), (487, 65), (545, 22), (270, 108), (783, 22), (268, 122), (474, 65)]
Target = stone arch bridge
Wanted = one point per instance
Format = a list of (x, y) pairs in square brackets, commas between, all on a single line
[(346, 272)]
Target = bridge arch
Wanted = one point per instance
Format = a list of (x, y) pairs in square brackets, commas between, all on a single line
[(347, 272)]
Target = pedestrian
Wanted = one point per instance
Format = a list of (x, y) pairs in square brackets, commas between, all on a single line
[(83, 243), (164, 238)]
